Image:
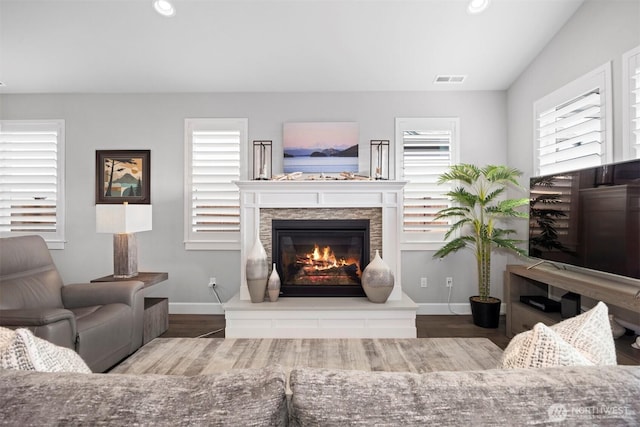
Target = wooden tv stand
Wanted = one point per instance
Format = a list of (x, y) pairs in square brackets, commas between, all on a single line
[(541, 279)]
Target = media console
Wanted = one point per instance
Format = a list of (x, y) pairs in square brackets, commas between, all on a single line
[(542, 279)]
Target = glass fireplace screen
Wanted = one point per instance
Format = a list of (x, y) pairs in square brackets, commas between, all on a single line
[(320, 257)]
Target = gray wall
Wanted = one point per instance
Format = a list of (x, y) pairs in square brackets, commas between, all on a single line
[(156, 122), (600, 31)]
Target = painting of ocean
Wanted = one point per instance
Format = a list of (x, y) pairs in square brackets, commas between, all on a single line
[(320, 147)]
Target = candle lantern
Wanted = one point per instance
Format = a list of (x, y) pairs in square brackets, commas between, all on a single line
[(379, 159), (262, 160)]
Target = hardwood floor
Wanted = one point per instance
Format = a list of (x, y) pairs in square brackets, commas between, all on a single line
[(195, 325)]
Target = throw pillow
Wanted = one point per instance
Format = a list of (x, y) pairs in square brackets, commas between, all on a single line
[(21, 350), (541, 348), (590, 333)]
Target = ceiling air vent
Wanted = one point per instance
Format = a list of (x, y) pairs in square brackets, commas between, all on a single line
[(449, 79)]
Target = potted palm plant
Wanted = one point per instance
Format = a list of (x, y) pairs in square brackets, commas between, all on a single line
[(479, 205)]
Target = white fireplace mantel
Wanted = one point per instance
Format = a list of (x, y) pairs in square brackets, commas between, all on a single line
[(322, 317), (386, 195)]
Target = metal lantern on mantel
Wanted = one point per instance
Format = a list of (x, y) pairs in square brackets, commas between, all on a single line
[(379, 159), (262, 159)]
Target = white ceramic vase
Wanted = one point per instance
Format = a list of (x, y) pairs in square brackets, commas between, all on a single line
[(273, 286), (377, 280), (257, 271)]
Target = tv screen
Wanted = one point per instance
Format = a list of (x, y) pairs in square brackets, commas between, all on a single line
[(588, 218)]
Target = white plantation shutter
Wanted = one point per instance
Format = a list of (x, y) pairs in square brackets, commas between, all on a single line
[(631, 103), (214, 160), (427, 149), (214, 197), (573, 125), (32, 179)]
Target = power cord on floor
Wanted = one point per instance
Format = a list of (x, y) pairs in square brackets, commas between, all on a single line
[(210, 333), (449, 302), (221, 305)]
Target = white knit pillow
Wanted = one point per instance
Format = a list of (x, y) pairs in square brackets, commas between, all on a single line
[(590, 333), (21, 350), (581, 340), (541, 348)]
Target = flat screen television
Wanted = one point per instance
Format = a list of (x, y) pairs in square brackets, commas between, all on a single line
[(588, 218)]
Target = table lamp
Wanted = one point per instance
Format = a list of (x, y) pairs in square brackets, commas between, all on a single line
[(123, 221)]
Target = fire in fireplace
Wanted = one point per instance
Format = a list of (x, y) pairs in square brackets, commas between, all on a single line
[(320, 257)]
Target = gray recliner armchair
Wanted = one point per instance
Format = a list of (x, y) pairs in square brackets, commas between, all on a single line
[(102, 322)]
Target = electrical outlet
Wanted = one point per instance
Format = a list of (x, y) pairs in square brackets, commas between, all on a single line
[(423, 282), (212, 282), (449, 282)]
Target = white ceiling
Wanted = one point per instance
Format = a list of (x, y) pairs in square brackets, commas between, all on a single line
[(102, 46)]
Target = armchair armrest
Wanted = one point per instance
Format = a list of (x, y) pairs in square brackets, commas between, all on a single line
[(100, 293), (34, 316), (55, 325)]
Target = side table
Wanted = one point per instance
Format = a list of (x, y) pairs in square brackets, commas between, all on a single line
[(156, 310)]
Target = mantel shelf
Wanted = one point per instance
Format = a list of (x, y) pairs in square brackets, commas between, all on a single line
[(320, 182)]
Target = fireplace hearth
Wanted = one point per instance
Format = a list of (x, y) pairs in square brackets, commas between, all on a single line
[(320, 258)]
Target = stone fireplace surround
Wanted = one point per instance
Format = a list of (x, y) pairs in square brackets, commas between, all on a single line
[(322, 317), (374, 215)]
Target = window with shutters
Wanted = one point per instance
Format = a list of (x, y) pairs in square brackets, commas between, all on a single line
[(215, 153), (425, 148), (32, 179), (573, 127), (631, 103)]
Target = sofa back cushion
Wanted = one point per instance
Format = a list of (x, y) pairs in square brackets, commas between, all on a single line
[(238, 397), (594, 395), (28, 277)]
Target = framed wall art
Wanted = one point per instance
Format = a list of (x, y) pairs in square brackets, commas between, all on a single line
[(323, 147), (123, 176)]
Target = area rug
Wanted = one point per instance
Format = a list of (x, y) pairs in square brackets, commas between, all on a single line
[(192, 356)]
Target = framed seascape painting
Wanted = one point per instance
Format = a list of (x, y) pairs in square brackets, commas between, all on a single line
[(123, 176), (322, 147)]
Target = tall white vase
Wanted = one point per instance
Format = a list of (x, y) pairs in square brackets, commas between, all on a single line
[(257, 271), (273, 286), (377, 280)]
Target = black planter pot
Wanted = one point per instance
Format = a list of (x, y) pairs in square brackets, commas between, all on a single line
[(486, 314)]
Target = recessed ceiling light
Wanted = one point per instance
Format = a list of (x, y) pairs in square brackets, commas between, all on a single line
[(477, 6), (164, 8)]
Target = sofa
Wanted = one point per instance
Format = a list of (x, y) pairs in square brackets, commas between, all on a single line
[(580, 395), (567, 375), (103, 322)]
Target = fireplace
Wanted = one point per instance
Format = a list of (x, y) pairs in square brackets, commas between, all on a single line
[(320, 257), (379, 203)]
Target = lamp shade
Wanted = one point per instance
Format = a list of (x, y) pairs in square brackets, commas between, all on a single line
[(124, 218)]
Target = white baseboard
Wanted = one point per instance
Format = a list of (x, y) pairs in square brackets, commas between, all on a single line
[(195, 308), (462, 308)]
